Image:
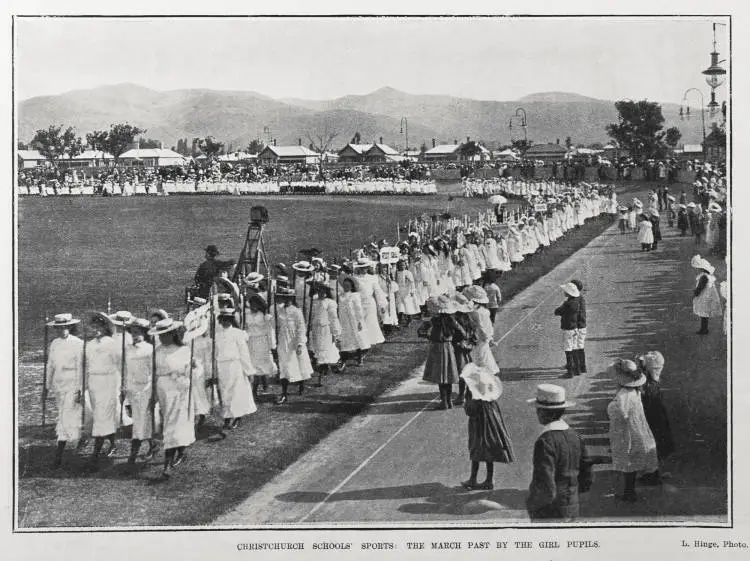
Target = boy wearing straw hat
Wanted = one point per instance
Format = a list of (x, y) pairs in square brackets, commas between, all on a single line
[(562, 468)]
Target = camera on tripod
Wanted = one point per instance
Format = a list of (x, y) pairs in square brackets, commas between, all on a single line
[(258, 215)]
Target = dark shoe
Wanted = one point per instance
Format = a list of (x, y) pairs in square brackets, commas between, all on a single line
[(82, 443), (486, 486), (627, 497), (301, 389), (236, 423), (470, 485), (179, 460), (201, 421), (166, 474), (111, 451), (227, 424), (282, 400)]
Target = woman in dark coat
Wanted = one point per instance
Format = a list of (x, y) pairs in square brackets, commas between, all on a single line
[(655, 229), (441, 367), (489, 440), (683, 222), (463, 346), (656, 414)]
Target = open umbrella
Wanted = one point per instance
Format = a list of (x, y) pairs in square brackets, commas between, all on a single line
[(497, 200)]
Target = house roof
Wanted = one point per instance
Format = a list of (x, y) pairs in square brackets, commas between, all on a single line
[(30, 155), (546, 149), (290, 151), (236, 157), (151, 153), (443, 149), (358, 148), (692, 148), (387, 150), (94, 155)]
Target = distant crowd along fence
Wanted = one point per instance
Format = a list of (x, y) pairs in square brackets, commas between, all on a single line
[(591, 174)]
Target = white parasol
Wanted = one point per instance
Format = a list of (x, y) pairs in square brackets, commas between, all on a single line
[(497, 200)]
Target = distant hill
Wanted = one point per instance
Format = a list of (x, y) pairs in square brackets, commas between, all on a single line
[(238, 117)]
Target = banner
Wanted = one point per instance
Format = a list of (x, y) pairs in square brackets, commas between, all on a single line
[(540, 207), (389, 255), (197, 322)]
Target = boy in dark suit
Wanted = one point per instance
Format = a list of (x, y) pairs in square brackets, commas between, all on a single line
[(568, 312), (562, 468)]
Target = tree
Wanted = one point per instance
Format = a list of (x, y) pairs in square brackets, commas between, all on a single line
[(54, 143), (96, 139), (470, 149), (119, 137), (719, 133), (639, 129), (672, 136), (322, 138), (22, 146), (356, 138), (210, 147), (521, 145), (255, 147), (148, 143), (423, 148)]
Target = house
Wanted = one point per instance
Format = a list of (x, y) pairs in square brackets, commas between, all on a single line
[(274, 155), (381, 154), (443, 153), (505, 156), (716, 147), (152, 157), (90, 159), (238, 157), (353, 153), (689, 152), (29, 158), (547, 153)]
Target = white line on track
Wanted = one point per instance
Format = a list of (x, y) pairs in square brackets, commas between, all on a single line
[(367, 460)]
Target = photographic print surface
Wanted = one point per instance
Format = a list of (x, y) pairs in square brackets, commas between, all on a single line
[(371, 272)]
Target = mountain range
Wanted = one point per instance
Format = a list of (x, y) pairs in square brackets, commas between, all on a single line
[(237, 117)]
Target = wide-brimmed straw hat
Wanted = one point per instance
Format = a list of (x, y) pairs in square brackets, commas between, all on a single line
[(258, 299), (462, 303), (302, 267), (550, 396), (476, 294), (121, 318), (285, 293), (626, 373), (162, 314), (253, 278), (698, 262), (653, 361), (483, 385), (570, 289), (165, 326), (363, 263), (440, 305), (226, 312), (140, 323), (63, 320)]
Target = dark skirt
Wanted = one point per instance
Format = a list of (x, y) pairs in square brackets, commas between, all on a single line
[(463, 357), (658, 422), (489, 440), (441, 366)]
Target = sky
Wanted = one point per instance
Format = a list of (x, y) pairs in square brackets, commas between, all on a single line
[(323, 58)]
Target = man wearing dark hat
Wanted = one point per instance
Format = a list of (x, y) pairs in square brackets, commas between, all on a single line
[(207, 271), (562, 468)]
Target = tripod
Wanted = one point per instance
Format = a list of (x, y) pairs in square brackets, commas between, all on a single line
[(253, 254)]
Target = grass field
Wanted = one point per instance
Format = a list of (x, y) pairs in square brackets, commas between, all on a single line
[(73, 253)]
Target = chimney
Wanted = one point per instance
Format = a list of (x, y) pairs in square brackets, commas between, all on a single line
[(455, 141), (274, 142), (381, 140), (468, 138), (433, 143), (299, 142), (161, 145), (558, 141)]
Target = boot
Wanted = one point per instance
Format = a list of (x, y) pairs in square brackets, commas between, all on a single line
[(443, 399), (284, 390), (704, 327), (568, 364), (301, 389), (93, 464), (360, 357), (135, 445), (461, 391), (581, 361), (629, 495), (59, 453)]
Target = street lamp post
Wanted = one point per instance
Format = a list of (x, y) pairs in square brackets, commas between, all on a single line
[(685, 113), (405, 127), (715, 75), (524, 122)]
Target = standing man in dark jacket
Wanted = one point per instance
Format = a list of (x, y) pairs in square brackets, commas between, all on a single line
[(207, 271), (580, 329), (562, 468), (568, 312), (654, 219)]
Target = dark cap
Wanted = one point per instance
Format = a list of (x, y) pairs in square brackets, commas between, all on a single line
[(212, 250)]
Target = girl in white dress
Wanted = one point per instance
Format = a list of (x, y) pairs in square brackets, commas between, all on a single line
[(138, 388), (407, 306), (103, 383), (325, 329), (372, 301), (389, 288), (64, 376), (706, 299), (261, 333), (645, 233), (483, 329), (445, 267), (234, 370), (294, 360), (172, 389), (352, 320)]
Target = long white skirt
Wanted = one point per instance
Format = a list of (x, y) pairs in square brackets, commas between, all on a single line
[(236, 394), (322, 345), (141, 412), (370, 327), (68, 428), (293, 367), (103, 391), (178, 420)]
